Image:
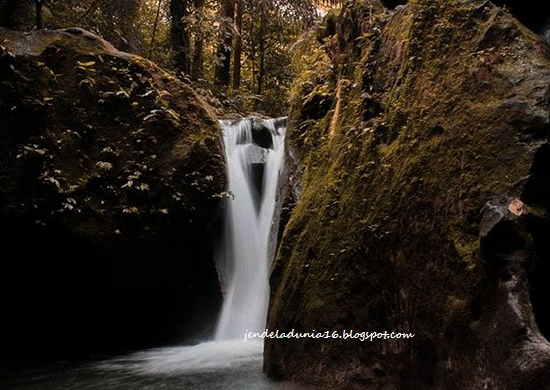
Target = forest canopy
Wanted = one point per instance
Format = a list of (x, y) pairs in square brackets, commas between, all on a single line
[(241, 50)]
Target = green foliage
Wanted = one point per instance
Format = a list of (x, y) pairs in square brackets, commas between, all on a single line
[(268, 32)]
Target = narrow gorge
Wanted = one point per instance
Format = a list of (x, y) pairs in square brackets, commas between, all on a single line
[(334, 172)]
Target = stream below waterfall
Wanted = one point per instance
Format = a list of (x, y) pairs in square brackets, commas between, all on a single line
[(254, 151), (216, 365)]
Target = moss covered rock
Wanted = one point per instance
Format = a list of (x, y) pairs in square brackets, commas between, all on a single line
[(111, 174), (424, 203)]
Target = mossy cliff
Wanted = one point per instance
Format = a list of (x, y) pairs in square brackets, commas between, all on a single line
[(111, 173), (424, 205)]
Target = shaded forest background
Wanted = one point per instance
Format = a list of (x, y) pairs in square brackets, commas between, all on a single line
[(241, 54)]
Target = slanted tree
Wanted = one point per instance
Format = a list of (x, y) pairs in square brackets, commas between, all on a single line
[(154, 32)]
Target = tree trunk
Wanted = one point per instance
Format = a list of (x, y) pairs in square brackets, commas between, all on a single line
[(38, 4), (238, 45), (261, 72), (253, 59), (223, 54), (196, 70), (153, 35), (179, 10)]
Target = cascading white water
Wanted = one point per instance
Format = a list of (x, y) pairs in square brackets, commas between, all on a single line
[(243, 257), (546, 31), (228, 362)]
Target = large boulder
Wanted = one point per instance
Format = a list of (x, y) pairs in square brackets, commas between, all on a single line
[(529, 12), (111, 174), (424, 204)]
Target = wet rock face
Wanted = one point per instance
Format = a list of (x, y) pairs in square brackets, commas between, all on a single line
[(262, 140), (423, 204), (111, 172), (261, 135)]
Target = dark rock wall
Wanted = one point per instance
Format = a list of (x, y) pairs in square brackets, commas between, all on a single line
[(423, 133), (111, 174)]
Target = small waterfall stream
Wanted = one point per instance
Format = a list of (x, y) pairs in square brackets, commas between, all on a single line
[(254, 153), (546, 31)]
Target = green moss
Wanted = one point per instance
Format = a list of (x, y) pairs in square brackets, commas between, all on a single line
[(112, 146), (424, 132)]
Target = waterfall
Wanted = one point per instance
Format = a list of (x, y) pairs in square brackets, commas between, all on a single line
[(546, 31), (254, 151)]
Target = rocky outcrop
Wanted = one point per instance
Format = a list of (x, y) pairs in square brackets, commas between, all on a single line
[(111, 174), (424, 203), (530, 13)]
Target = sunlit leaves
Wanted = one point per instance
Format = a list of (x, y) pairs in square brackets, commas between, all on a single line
[(164, 114), (105, 166), (143, 187), (52, 178), (132, 210), (224, 195), (69, 204), (85, 65), (33, 149)]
